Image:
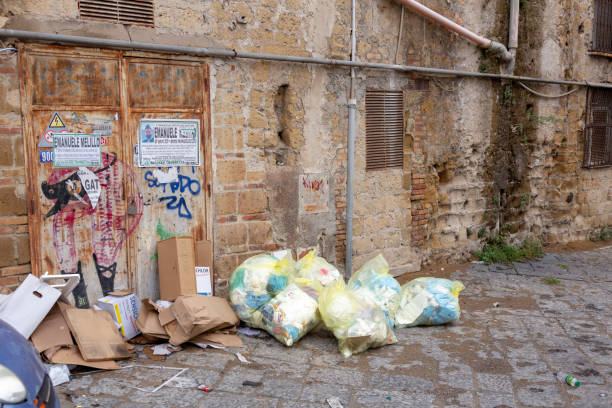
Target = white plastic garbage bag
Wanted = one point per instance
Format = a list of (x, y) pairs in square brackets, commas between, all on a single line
[(357, 323), (373, 281), (315, 272), (255, 282), (291, 314), (428, 301)]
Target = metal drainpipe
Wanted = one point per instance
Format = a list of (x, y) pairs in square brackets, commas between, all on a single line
[(350, 165), (513, 32), (479, 40), (225, 53)]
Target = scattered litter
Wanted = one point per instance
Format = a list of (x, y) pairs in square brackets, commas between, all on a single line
[(205, 388), (603, 394), (163, 304), (149, 352), (428, 301), (242, 359), (165, 349), (496, 304), (389, 398), (252, 383), (247, 331), (182, 370), (334, 402), (441, 270), (59, 373), (207, 345), (572, 381)]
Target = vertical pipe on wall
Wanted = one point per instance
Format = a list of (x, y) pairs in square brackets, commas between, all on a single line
[(513, 33), (350, 165)]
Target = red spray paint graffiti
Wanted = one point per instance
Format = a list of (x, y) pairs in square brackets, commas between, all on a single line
[(110, 223)]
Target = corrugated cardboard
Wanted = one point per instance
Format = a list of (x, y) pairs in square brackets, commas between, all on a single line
[(72, 355), (52, 332), (204, 268), (218, 339), (176, 264), (148, 321), (196, 314), (124, 311), (95, 333)]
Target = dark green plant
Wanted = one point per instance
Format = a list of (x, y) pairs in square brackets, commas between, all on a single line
[(482, 232), (469, 232), (508, 96), (497, 250), (524, 200), (551, 281), (604, 234)]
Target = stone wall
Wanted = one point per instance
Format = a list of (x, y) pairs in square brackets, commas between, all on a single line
[(479, 155)]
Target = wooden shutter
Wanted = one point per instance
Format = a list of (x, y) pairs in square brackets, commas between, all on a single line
[(384, 129), (598, 135), (602, 26), (137, 12)]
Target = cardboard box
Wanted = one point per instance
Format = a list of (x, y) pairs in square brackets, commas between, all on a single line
[(204, 268), (124, 310), (176, 264)]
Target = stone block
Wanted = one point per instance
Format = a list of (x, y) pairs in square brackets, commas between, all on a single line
[(224, 138), (228, 172), (224, 266), (229, 235), (251, 202), (225, 203), (23, 249), (11, 203), (7, 151), (7, 251), (257, 120), (260, 232), (255, 139)]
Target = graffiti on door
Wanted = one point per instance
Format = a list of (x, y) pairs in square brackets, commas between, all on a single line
[(174, 192), (109, 222)]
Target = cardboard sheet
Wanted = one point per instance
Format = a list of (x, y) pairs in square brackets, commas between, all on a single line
[(96, 334), (197, 314), (148, 321), (52, 332), (176, 267), (72, 355), (218, 339)]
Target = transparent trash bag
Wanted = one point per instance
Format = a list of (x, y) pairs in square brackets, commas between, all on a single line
[(317, 271), (428, 301), (291, 314), (357, 323), (255, 282), (373, 281)]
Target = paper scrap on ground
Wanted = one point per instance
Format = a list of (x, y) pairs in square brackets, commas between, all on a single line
[(206, 345), (334, 402), (242, 359), (165, 349), (59, 373), (91, 184), (247, 331), (166, 177), (163, 304)]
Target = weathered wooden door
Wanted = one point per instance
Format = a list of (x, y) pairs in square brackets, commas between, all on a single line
[(113, 244)]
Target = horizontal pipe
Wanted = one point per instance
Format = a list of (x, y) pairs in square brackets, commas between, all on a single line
[(224, 53)]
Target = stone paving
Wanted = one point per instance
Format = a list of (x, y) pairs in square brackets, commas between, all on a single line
[(514, 332)]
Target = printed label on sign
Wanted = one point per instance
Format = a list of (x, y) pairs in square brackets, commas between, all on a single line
[(103, 128), (76, 150), (91, 184), (56, 121), (46, 156), (203, 284), (169, 142)]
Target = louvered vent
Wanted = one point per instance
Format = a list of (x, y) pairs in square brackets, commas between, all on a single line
[(384, 129), (598, 135), (602, 26), (138, 12)]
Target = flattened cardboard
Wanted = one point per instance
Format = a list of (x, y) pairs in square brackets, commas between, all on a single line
[(176, 266), (204, 259), (198, 314), (96, 334), (148, 321), (218, 339), (52, 332), (72, 355)]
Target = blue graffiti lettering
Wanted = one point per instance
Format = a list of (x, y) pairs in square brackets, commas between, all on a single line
[(175, 199)]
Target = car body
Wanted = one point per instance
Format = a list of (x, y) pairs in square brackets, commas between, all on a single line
[(22, 359)]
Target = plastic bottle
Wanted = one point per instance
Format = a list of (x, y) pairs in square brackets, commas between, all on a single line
[(572, 381)]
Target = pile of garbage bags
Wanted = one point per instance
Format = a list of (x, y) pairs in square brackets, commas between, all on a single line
[(288, 299)]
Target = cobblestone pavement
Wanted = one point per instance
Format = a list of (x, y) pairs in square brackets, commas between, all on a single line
[(515, 331)]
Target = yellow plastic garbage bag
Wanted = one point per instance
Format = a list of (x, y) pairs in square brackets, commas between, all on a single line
[(255, 282), (429, 301), (373, 281), (317, 271), (291, 314), (357, 323)]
